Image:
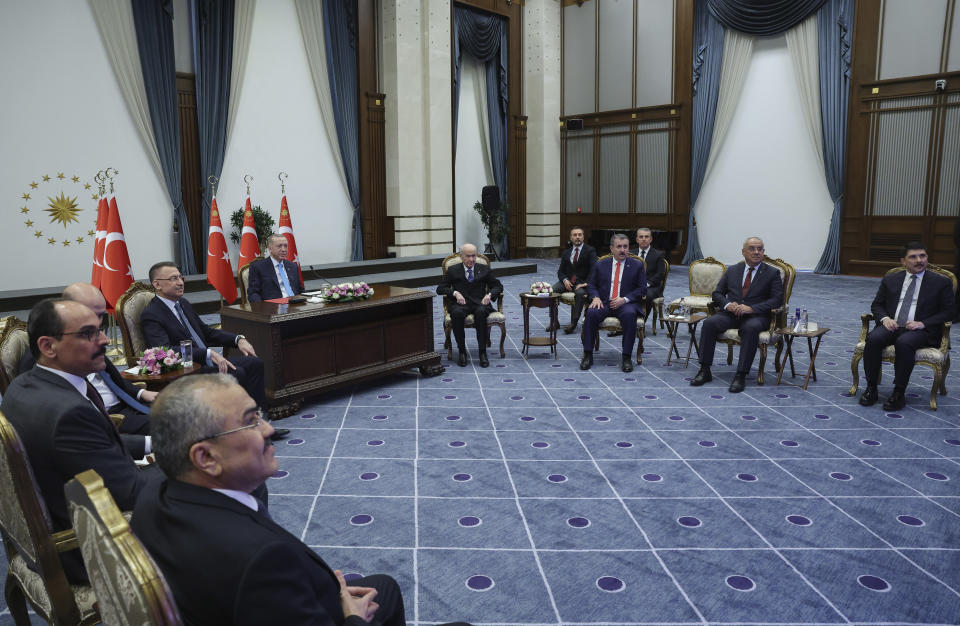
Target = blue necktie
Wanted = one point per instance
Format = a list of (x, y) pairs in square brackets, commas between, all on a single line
[(198, 342), (469, 274), (125, 397), (282, 272)]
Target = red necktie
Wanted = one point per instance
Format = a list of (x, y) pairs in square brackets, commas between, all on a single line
[(616, 283), (746, 283), (576, 257)]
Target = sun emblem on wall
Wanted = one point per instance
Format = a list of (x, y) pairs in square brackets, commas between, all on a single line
[(63, 209), (50, 203)]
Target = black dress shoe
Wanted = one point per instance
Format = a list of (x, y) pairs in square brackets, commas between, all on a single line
[(587, 361), (462, 358), (626, 363), (568, 330), (739, 382), (484, 361), (869, 396), (702, 377), (279, 433), (895, 402)]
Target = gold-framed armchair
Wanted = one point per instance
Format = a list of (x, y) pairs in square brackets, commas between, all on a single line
[(613, 323), (129, 586), (243, 274), (497, 318), (130, 306), (656, 307), (778, 320), (34, 572), (936, 358), (703, 275), (13, 344)]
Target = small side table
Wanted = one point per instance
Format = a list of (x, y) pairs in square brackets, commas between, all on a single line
[(673, 325), (159, 381), (789, 335), (550, 301)]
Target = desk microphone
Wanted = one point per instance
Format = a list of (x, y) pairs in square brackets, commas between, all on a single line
[(297, 300), (317, 275)]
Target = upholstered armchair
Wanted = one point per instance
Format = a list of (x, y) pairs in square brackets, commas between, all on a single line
[(613, 323), (34, 572), (656, 307), (497, 318), (703, 275), (130, 306), (129, 586), (778, 320), (936, 358), (244, 275), (13, 345)]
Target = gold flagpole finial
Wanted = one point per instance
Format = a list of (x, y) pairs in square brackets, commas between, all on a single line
[(213, 180), (111, 176), (283, 179), (247, 178)]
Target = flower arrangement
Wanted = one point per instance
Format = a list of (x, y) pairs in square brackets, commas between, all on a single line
[(541, 288), (159, 361), (345, 292)]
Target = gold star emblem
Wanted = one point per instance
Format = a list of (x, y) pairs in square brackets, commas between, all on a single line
[(94, 196), (34, 185), (91, 233), (26, 196), (46, 178), (52, 240), (29, 223), (75, 179), (38, 233), (60, 175), (79, 239), (284, 212), (214, 213), (62, 209), (24, 209), (66, 243), (247, 214), (86, 186)]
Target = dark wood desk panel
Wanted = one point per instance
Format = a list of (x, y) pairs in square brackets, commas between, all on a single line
[(311, 348)]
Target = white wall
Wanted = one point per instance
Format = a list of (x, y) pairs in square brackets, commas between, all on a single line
[(766, 180), (61, 111), (470, 175), (278, 128)]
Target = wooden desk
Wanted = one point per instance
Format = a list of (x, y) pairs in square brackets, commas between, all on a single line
[(308, 348)]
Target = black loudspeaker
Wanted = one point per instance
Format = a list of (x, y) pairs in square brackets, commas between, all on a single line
[(490, 196), (575, 124)]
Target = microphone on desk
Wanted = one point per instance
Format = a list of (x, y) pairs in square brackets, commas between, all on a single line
[(317, 275), (297, 300)]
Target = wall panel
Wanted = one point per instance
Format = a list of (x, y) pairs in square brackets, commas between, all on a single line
[(615, 51), (655, 26), (911, 37), (653, 165), (614, 192), (579, 172), (579, 58)]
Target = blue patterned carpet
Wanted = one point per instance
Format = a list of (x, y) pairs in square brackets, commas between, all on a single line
[(533, 493)]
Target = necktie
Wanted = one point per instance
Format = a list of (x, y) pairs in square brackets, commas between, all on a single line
[(746, 283), (576, 257), (904, 314), (284, 282), (94, 397), (469, 274), (643, 255), (262, 508), (615, 292), (200, 346), (125, 397)]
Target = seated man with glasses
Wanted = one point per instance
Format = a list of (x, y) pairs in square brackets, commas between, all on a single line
[(119, 396), (61, 418), (169, 319)]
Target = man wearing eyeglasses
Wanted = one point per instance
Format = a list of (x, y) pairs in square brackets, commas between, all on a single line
[(61, 419), (169, 319)]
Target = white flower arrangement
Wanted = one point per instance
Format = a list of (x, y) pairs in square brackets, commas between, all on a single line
[(541, 288), (345, 292)]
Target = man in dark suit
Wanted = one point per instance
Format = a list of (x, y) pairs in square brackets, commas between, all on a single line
[(656, 266), (575, 265), (910, 309), (61, 419), (225, 559), (169, 319), (274, 276), (744, 297), (470, 289), (119, 396), (617, 286)]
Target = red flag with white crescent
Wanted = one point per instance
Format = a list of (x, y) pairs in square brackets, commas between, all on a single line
[(102, 212), (249, 245), (117, 271), (286, 229), (219, 270)]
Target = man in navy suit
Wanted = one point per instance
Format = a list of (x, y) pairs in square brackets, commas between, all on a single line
[(744, 297), (910, 308), (274, 276), (575, 265), (617, 286), (469, 289)]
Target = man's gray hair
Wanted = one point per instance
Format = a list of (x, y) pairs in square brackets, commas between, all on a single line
[(275, 236), (180, 417), (617, 236), (644, 229)]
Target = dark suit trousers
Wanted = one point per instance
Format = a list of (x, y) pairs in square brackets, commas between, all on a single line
[(627, 314), (906, 342), (388, 597), (750, 328), (459, 313), (579, 297), (249, 374)]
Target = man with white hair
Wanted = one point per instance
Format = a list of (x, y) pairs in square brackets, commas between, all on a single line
[(470, 289)]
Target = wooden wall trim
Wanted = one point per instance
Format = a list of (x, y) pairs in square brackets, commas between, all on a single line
[(376, 227)]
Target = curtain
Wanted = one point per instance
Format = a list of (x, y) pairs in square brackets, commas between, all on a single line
[(707, 65), (153, 22), (835, 31), (477, 74), (802, 45), (737, 52), (484, 36), (762, 18), (310, 15), (340, 36), (243, 11)]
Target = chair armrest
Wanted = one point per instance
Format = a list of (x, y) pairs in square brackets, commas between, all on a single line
[(500, 303), (945, 340), (865, 319), (140, 384), (117, 419), (65, 540), (775, 318)]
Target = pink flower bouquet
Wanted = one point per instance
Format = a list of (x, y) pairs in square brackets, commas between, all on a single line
[(159, 360), (541, 288), (345, 292)]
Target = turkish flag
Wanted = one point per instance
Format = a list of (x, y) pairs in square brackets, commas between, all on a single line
[(249, 246), (219, 270), (99, 241), (286, 229), (117, 272)]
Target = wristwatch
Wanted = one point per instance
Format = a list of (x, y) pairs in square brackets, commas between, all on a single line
[(239, 337)]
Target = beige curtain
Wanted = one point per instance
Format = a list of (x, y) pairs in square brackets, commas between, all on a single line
[(805, 54), (737, 53), (476, 71), (242, 24)]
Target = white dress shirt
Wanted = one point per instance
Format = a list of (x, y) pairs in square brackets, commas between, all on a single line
[(613, 274)]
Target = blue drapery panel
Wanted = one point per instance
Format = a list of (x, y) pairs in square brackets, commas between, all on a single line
[(762, 18), (707, 64), (834, 34), (154, 25), (214, 61), (340, 40), (484, 36)]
